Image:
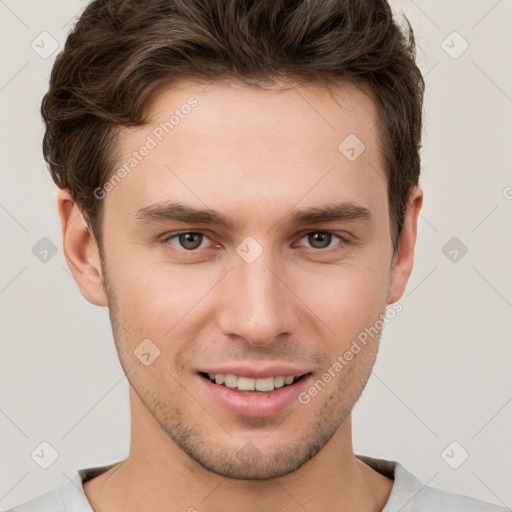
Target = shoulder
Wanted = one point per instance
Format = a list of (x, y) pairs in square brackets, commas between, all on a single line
[(431, 499), (419, 497), (409, 494), (48, 502), (67, 497)]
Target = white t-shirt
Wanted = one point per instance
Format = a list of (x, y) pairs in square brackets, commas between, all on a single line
[(408, 493)]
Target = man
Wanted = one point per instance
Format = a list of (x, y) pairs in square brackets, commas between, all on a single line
[(239, 186)]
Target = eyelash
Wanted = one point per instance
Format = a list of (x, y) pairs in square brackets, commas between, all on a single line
[(343, 240)]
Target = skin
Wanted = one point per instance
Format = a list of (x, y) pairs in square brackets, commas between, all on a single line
[(252, 155)]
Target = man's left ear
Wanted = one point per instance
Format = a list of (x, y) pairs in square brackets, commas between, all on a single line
[(80, 250), (404, 258)]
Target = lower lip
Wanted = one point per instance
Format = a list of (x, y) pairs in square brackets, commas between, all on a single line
[(255, 404)]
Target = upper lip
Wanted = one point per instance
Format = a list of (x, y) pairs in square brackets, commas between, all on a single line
[(258, 372)]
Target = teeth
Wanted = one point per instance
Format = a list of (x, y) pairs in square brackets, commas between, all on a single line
[(249, 384), (279, 382), (246, 384), (267, 384), (231, 381)]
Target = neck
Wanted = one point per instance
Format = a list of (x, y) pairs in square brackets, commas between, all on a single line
[(158, 476)]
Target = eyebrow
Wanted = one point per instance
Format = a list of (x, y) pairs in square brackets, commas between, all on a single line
[(177, 212)]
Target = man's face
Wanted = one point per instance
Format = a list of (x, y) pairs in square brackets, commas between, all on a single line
[(266, 297)]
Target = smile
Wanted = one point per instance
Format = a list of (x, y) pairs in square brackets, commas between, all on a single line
[(263, 385)]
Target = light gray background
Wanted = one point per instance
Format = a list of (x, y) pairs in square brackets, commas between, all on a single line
[(444, 371)]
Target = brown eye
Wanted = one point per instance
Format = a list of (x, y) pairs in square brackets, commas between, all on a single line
[(189, 240), (321, 239)]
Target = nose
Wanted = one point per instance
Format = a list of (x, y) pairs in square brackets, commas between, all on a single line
[(257, 303)]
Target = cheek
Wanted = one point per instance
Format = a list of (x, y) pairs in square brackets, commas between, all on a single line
[(156, 298), (345, 300)]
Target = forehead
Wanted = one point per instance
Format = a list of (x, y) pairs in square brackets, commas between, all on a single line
[(312, 112), (223, 143)]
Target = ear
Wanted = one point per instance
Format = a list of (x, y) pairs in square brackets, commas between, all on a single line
[(404, 258), (80, 250)]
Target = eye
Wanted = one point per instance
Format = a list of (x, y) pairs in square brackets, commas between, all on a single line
[(187, 240), (323, 239), (191, 241)]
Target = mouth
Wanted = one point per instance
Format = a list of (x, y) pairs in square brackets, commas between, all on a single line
[(255, 392), (253, 385)]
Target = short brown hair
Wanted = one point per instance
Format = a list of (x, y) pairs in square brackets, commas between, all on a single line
[(121, 52)]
